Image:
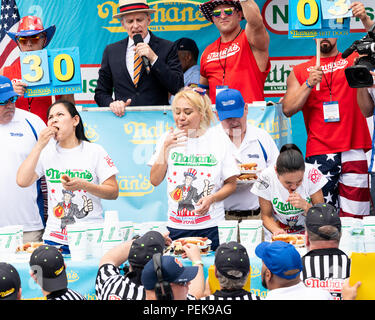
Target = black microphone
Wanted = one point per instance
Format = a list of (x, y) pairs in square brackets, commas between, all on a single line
[(137, 38)]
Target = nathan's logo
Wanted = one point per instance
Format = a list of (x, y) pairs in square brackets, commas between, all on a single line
[(223, 54), (54, 175), (281, 67), (286, 208), (134, 186), (90, 132), (169, 16), (181, 159), (276, 16), (72, 276), (145, 134)]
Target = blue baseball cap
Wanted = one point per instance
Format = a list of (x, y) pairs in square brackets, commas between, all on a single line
[(281, 258), (229, 104), (6, 89), (172, 270)]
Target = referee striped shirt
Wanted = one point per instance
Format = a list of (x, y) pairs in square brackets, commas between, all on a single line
[(326, 269), (65, 294), (232, 295), (111, 285)]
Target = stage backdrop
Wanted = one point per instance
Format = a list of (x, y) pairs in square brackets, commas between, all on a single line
[(130, 142)]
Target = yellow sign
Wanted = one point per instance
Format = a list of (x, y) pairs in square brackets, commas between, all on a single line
[(362, 269), (214, 282)]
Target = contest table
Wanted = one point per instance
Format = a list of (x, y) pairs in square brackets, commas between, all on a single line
[(82, 276)]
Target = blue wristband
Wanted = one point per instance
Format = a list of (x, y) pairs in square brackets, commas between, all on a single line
[(307, 83)]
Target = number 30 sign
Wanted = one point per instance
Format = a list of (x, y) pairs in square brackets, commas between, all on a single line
[(51, 72)]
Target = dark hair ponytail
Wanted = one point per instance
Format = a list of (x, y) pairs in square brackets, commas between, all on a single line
[(71, 108), (290, 159)]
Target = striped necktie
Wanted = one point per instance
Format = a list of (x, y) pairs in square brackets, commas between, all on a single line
[(137, 68)]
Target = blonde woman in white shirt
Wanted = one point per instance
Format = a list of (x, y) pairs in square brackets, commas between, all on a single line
[(199, 169)]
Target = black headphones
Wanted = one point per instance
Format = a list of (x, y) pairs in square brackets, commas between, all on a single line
[(163, 290)]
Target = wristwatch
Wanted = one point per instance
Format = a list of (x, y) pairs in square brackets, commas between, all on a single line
[(243, 0), (198, 262)]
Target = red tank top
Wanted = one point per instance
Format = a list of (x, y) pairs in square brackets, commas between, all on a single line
[(241, 70), (36, 105), (351, 132)]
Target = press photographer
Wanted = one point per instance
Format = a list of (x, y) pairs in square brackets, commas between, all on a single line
[(358, 75)]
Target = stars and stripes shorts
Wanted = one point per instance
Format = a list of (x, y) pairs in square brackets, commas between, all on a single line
[(348, 182)]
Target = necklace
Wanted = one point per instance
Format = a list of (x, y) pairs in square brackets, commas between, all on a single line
[(226, 55)]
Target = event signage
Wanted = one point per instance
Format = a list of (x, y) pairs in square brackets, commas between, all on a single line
[(51, 72), (318, 18)]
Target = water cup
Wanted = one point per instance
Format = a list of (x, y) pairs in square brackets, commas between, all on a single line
[(250, 234), (109, 244), (111, 229), (369, 226), (126, 230), (8, 242), (141, 228), (228, 231), (160, 226), (346, 234), (95, 239), (77, 240)]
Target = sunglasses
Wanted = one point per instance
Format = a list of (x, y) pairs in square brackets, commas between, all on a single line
[(34, 39), (10, 100), (227, 11)]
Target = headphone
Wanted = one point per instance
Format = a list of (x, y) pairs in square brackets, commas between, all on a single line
[(163, 290)]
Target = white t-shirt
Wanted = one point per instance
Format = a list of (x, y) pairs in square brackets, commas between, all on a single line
[(18, 205), (88, 161), (249, 151), (298, 292), (269, 187), (198, 169)]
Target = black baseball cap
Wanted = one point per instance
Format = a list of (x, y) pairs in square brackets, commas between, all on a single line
[(10, 282), (323, 214), (172, 269), (47, 264), (232, 256), (143, 248), (188, 44)]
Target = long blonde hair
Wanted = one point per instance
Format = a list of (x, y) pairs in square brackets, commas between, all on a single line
[(196, 99)]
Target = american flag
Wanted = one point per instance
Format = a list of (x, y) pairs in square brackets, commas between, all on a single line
[(9, 19)]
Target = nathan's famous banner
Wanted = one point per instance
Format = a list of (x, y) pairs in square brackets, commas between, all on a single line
[(130, 142), (88, 24)]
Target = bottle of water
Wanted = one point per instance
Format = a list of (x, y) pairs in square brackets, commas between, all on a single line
[(358, 236)]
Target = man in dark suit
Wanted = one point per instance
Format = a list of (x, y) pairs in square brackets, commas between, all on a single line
[(122, 72)]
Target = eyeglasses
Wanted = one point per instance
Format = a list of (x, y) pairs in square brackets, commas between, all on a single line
[(218, 12), (34, 39), (10, 100)]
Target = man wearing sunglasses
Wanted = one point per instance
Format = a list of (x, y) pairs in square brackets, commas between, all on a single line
[(19, 130), (238, 59), (31, 36)]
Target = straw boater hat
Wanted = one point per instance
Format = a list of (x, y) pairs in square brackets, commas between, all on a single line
[(207, 7), (31, 26), (128, 6)]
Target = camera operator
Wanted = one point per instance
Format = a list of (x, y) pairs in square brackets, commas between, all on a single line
[(366, 102), (337, 132)]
